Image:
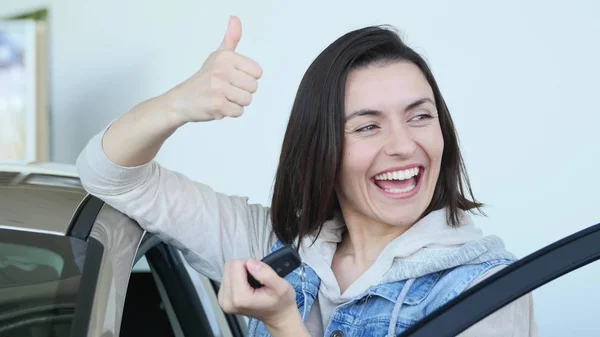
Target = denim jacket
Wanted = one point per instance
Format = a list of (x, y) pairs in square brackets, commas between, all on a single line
[(385, 309)]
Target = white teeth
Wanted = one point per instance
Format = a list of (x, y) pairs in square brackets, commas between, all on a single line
[(398, 175), (400, 190)]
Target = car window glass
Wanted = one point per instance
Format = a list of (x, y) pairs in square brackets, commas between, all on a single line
[(39, 283), (208, 297), (141, 265), (566, 306), (144, 313)]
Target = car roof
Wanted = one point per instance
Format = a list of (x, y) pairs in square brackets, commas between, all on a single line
[(51, 168), (39, 197)]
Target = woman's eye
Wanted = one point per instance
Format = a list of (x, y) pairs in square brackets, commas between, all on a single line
[(421, 117), (370, 127)]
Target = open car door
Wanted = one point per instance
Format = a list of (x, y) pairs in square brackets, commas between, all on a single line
[(524, 276)]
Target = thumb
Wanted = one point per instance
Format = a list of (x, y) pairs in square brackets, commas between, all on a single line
[(233, 34), (264, 274)]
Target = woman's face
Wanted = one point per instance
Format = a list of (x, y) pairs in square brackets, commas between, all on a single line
[(393, 145)]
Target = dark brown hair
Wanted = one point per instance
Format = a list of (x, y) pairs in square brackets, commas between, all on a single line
[(304, 192)]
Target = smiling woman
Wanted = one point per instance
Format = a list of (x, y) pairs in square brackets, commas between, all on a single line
[(370, 188), (393, 154), (380, 110)]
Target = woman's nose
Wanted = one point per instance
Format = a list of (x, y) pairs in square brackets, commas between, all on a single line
[(400, 142)]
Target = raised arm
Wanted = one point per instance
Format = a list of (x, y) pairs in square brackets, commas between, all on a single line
[(117, 166), (221, 88)]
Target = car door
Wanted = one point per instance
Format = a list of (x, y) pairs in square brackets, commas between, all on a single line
[(113, 240), (563, 275), (167, 297)]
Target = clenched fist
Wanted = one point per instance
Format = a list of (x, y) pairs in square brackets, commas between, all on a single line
[(221, 88)]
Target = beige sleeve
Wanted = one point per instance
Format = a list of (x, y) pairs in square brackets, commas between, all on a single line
[(514, 320), (208, 227)]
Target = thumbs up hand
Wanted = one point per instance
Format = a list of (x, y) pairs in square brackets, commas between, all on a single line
[(232, 35), (221, 88)]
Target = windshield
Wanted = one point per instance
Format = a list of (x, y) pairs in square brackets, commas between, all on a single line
[(39, 281)]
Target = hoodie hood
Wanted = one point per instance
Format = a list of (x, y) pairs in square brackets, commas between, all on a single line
[(430, 245)]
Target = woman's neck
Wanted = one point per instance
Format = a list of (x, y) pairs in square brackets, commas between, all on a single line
[(360, 247), (366, 238)]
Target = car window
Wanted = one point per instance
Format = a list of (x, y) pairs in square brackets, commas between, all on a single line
[(568, 305), (560, 279), (141, 266), (154, 295), (39, 282), (199, 289), (564, 307), (144, 311), (208, 296)]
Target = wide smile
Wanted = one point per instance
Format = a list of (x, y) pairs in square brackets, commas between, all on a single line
[(399, 184)]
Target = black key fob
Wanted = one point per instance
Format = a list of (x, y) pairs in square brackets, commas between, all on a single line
[(283, 261)]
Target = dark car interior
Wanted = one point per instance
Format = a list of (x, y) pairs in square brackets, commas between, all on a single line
[(158, 302)]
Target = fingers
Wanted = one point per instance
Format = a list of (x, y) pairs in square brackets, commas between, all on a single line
[(222, 87), (224, 290), (230, 42), (243, 81), (247, 65), (267, 276), (226, 51), (238, 96), (241, 294), (231, 93), (235, 292), (228, 100), (232, 35), (276, 298), (226, 60), (230, 109)]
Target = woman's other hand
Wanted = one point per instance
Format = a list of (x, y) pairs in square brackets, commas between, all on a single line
[(221, 88), (274, 303)]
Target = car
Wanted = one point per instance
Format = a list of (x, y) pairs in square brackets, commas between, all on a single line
[(71, 265)]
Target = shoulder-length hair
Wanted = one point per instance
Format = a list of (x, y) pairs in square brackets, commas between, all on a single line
[(304, 191)]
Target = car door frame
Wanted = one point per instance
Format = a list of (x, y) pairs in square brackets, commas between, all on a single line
[(113, 241), (516, 280), (80, 227), (190, 313), (237, 325), (162, 257)]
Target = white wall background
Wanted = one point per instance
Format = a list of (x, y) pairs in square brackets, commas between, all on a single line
[(520, 78)]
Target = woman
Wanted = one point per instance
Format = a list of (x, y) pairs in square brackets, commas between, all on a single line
[(370, 187)]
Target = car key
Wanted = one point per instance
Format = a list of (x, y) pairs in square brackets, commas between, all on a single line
[(283, 261)]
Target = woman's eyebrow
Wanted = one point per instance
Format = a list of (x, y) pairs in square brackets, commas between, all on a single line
[(363, 112), (373, 112), (419, 102)]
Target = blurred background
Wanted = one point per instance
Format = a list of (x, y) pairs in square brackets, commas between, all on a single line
[(520, 79)]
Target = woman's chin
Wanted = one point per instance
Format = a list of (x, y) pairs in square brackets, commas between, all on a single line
[(399, 218)]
